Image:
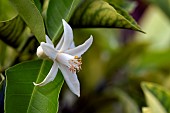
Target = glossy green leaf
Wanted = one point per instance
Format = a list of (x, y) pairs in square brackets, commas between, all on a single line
[(62, 9), (157, 97), (98, 13), (32, 17), (126, 18), (23, 97)]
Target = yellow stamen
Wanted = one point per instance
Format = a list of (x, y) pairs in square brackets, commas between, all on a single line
[(75, 64)]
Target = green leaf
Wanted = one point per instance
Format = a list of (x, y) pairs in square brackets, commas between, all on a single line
[(157, 97), (6, 10), (98, 13), (23, 97), (125, 4), (8, 20), (13, 32), (62, 9), (126, 18), (38, 4), (32, 17)]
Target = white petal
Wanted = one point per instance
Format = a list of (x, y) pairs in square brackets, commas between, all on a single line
[(58, 47), (72, 45), (51, 75), (49, 50), (68, 36), (79, 50), (48, 40), (60, 43), (64, 59), (71, 79)]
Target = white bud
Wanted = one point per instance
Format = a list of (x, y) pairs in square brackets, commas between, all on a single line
[(40, 53)]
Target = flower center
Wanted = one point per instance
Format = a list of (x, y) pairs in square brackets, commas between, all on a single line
[(72, 62), (75, 64)]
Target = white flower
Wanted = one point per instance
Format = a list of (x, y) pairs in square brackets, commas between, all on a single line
[(65, 56)]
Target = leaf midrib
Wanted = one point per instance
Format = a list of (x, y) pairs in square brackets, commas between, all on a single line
[(34, 86)]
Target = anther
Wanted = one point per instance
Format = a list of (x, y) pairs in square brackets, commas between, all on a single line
[(75, 64)]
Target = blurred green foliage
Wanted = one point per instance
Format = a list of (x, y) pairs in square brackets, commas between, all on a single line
[(157, 97)]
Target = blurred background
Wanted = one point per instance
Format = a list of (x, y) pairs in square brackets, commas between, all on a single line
[(117, 62)]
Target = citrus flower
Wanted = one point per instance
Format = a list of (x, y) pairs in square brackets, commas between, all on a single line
[(65, 56)]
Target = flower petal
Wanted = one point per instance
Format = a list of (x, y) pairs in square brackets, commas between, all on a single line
[(79, 50), (49, 51), (68, 36), (51, 75), (48, 40), (71, 79), (64, 59), (60, 43), (72, 45)]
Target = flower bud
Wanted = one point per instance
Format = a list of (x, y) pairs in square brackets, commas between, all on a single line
[(40, 53)]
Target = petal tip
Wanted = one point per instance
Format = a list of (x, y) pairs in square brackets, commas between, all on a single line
[(40, 84), (91, 38), (78, 94), (68, 36), (89, 41), (77, 90), (35, 84), (48, 40), (64, 21)]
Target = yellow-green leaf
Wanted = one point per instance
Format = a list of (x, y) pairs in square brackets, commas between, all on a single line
[(146, 110), (157, 97), (98, 13)]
